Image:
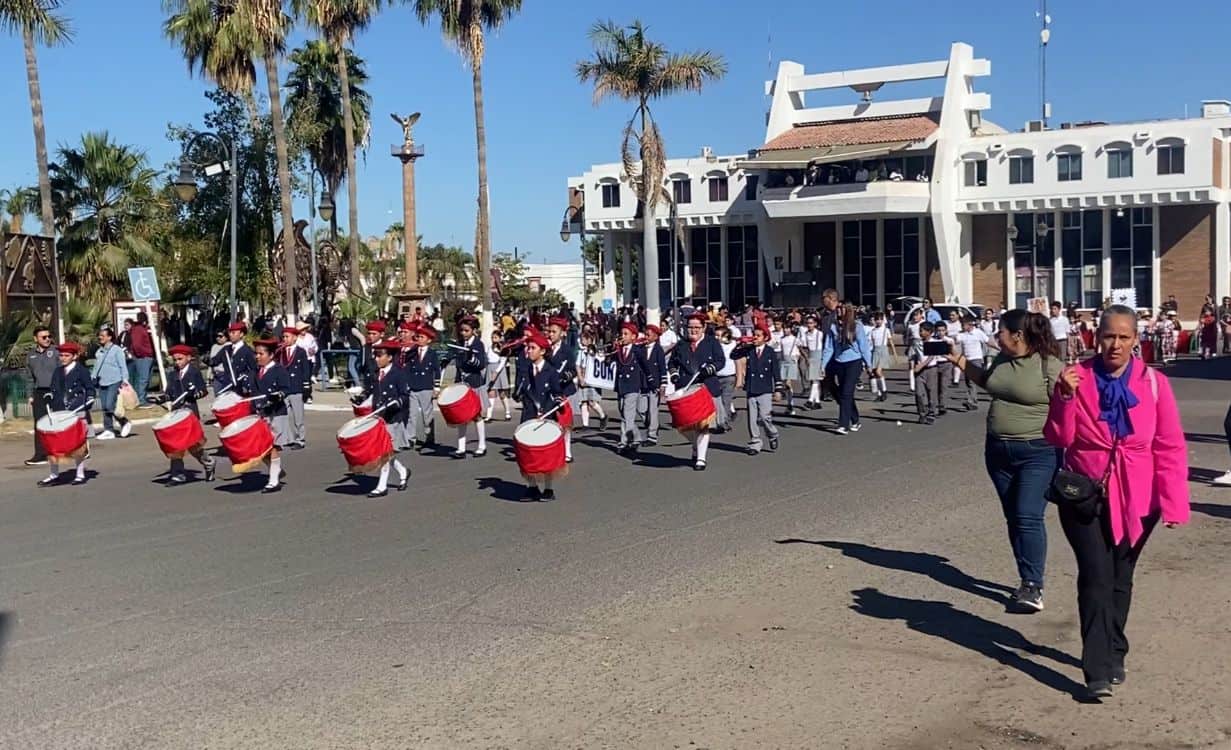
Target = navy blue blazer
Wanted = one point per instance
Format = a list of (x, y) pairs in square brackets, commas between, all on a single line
[(472, 366), (393, 388), (632, 372), (540, 393), (71, 391), (188, 381), (565, 362), (367, 367), (688, 362), (422, 375), (760, 373), (298, 369), (275, 383), (657, 361), (242, 362)]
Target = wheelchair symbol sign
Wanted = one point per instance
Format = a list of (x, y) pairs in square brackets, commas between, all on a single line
[(144, 283)]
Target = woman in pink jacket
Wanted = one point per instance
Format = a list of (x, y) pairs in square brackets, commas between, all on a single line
[(1113, 411)]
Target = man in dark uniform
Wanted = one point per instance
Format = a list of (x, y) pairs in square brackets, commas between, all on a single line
[(562, 356), (632, 380), (472, 370), (406, 342), (299, 370), (71, 390), (237, 363), (540, 392), (390, 393), (367, 368), (41, 364), (698, 360), (656, 361), (184, 388), (422, 370), (761, 374), (272, 384)]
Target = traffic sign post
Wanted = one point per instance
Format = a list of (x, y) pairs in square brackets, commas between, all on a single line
[(144, 282)]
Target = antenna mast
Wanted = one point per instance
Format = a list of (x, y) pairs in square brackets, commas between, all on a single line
[(1044, 38)]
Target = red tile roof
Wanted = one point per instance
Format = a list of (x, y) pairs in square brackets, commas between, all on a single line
[(855, 132)]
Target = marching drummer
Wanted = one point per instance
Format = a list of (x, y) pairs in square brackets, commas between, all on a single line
[(761, 375), (540, 392), (656, 361), (423, 380), (389, 395), (374, 331), (185, 387), (71, 390), (632, 380), (406, 341), (563, 358), (471, 369), (299, 371), (272, 386), (698, 360), (234, 364)]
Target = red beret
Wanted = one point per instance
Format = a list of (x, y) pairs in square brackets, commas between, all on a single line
[(426, 331), (69, 347), (631, 327), (537, 339), (376, 326), (763, 329), (389, 345), (562, 322), (184, 349), (267, 343), (699, 316), (408, 325), (651, 328), (238, 325)]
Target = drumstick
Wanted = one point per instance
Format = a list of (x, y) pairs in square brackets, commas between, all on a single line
[(83, 406), (691, 380), (378, 411), (182, 396), (543, 417), (457, 346)]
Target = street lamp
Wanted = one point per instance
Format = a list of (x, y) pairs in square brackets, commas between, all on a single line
[(325, 209), (185, 185)]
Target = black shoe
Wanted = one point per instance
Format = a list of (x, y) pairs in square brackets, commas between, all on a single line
[(773, 444), (1118, 675), (532, 493), (48, 481), (753, 451), (480, 453), (649, 441), (458, 454), (36, 462), (1028, 598), (402, 485), (790, 412), (269, 489), (568, 459), (548, 495), (929, 420), (1098, 689), (374, 493), (602, 423), (209, 472), (177, 479), (943, 412), (297, 446), (78, 480), (699, 466)]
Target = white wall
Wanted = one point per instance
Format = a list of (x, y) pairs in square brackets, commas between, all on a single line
[(563, 277)]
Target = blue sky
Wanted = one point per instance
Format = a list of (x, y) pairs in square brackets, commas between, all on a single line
[(1108, 60)]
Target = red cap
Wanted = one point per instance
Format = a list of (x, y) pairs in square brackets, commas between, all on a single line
[(537, 339), (407, 325), (238, 325), (376, 326), (69, 347), (388, 345), (184, 349), (763, 329), (631, 327), (562, 322), (651, 328), (268, 343), (700, 316), (426, 331)]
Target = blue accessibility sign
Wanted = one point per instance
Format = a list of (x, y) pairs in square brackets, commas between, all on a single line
[(144, 283)]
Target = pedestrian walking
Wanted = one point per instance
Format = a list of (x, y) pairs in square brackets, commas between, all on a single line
[(299, 370), (761, 378), (142, 350), (110, 373)]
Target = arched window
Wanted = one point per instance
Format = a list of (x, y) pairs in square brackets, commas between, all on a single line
[(1021, 166), (610, 188), (717, 182), (974, 169), (1119, 159), (681, 188), (1170, 155), (1068, 163)]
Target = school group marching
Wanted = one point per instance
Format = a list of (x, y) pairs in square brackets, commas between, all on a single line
[(260, 390)]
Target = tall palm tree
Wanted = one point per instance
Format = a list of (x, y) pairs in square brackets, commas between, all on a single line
[(464, 23), (16, 204), (101, 190), (339, 21), (439, 264), (314, 109), (221, 40), (629, 66)]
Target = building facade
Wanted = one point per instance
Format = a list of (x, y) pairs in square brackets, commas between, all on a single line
[(926, 197)]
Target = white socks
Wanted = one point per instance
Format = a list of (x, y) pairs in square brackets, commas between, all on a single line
[(382, 483), (490, 405), (482, 428), (703, 446), (568, 443), (814, 393), (585, 416), (81, 469), (462, 429), (275, 471), (508, 407)]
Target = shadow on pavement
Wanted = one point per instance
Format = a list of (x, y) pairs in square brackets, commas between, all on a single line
[(1205, 437), (6, 624), (503, 489), (936, 567), (993, 640), (1210, 509), (355, 488), (1198, 474)]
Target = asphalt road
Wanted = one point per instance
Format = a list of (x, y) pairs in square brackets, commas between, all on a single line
[(453, 615)]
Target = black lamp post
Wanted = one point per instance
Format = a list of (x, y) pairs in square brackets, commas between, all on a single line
[(185, 185)]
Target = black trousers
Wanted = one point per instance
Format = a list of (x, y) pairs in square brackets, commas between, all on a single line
[(41, 407), (1104, 590), (1226, 426)]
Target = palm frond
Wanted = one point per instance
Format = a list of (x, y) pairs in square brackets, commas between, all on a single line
[(687, 72), (39, 17)]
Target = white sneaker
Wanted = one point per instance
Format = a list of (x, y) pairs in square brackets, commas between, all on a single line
[(126, 429), (855, 427), (1223, 480), (841, 431), (105, 435)]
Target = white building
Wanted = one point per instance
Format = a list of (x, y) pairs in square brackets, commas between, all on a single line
[(566, 278), (883, 198)]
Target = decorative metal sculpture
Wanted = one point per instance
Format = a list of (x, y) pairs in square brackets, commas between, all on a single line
[(407, 123)]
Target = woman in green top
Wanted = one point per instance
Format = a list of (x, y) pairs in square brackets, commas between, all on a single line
[(1019, 461)]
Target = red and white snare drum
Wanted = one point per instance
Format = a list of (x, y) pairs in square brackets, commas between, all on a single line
[(247, 441), (363, 408), (539, 448), (692, 409), (459, 404), (179, 432), (63, 435), (229, 407), (365, 444)]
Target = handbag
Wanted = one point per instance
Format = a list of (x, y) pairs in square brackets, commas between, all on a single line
[(1083, 496)]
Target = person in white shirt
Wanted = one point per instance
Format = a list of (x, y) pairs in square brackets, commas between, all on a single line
[(929, 384), (990, 327), (788, 353), (973, 345), (811, 342), (727, 378), (880, 338), (1060, 329)]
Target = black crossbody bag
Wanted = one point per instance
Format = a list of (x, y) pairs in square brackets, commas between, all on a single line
[(1080, 494)]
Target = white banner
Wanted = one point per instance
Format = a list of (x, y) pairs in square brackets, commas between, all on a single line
[(596, 372)]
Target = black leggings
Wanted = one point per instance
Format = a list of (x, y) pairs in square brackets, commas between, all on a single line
[(845, 375)]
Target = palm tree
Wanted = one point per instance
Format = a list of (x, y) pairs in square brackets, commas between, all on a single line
[(338, 21), (221, 39), (439, 264), (464, 23), (101, 190), (314, 109), (16, 204), (629, 66)]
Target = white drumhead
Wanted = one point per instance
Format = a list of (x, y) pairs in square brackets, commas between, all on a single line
[(227, 400), (366, 403), (174, 418), (538, 432), (57, 421), (453, 393), (358, 426), (686, 392), (238, 426)]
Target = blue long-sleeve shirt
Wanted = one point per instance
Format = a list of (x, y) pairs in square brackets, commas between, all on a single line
[(932, 315), (110, 367), (837, 348)]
